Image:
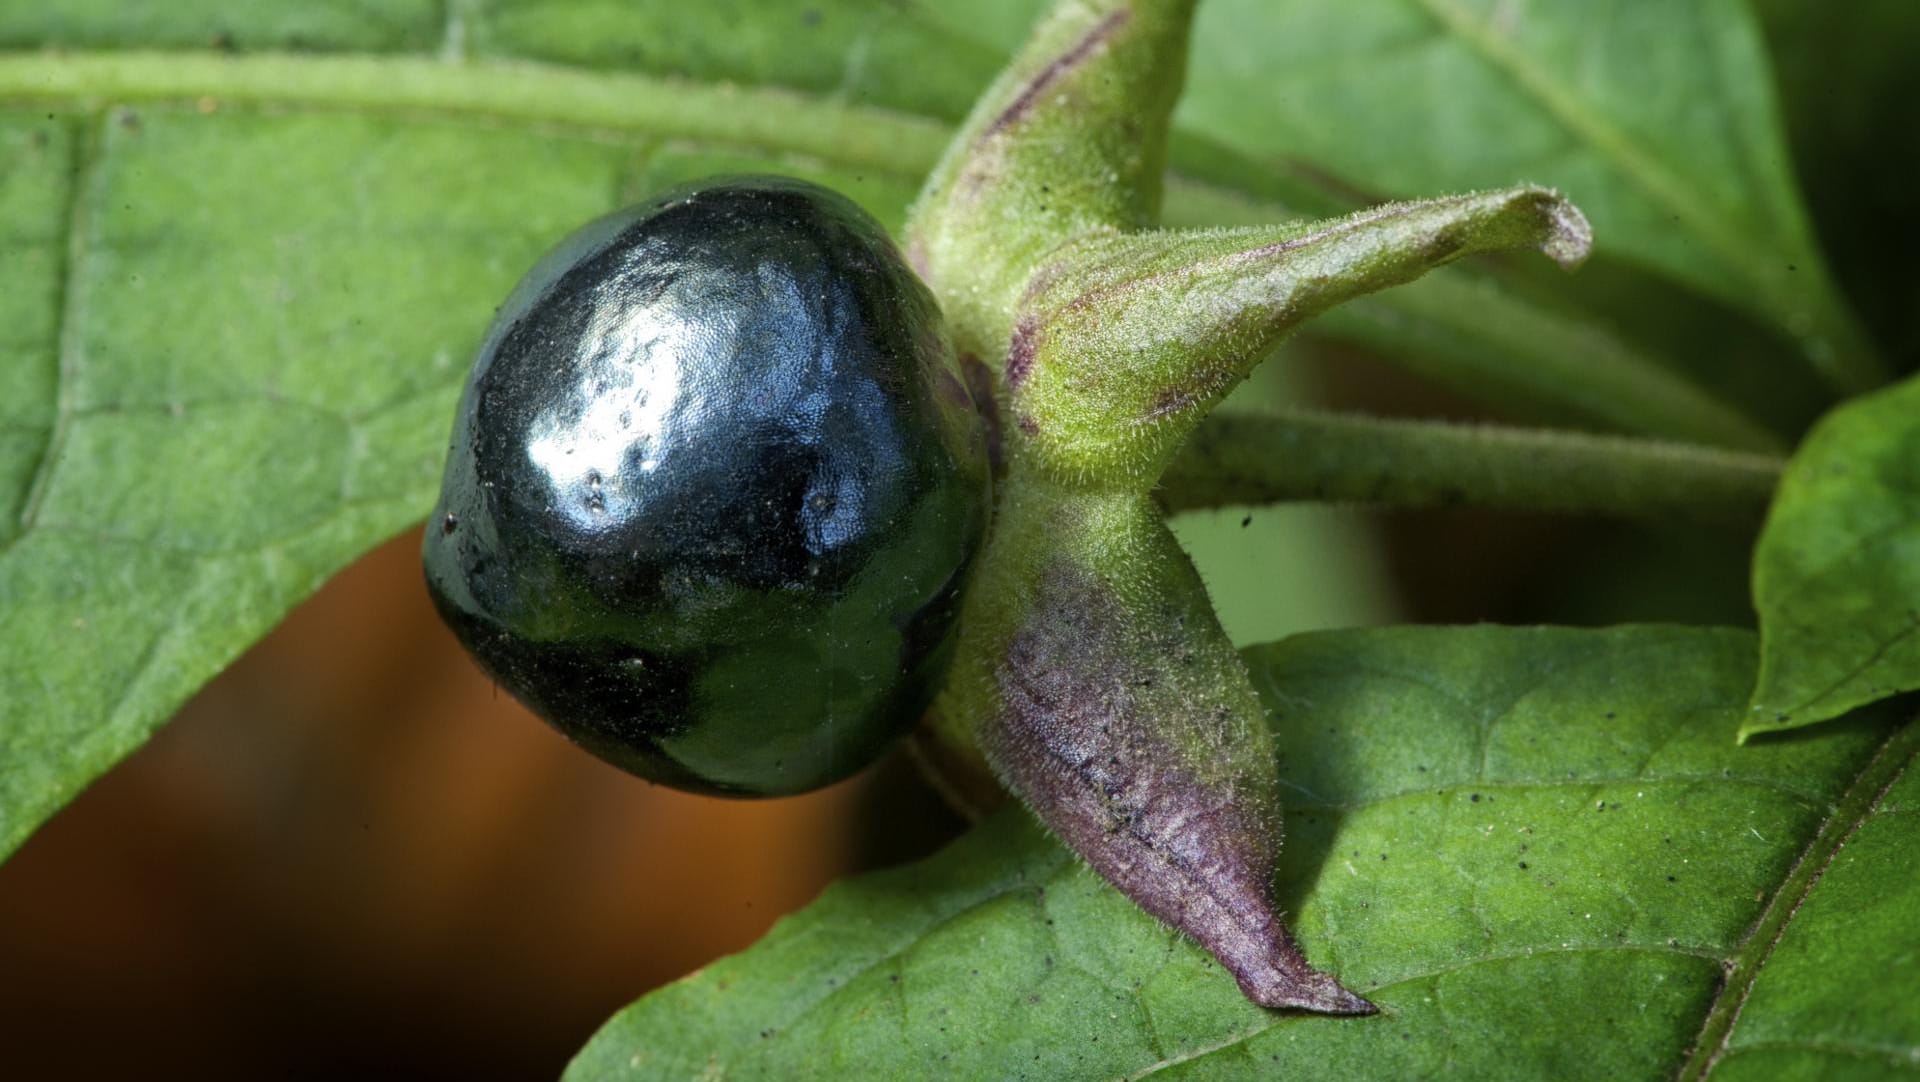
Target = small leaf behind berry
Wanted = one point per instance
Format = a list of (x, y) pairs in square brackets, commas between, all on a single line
[(1836, 575)]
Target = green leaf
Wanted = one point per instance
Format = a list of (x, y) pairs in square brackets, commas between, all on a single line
[(1412, 97), (237, 314), (1536, 849), (1836, 574)]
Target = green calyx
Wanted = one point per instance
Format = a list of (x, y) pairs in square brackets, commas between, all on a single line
[(1123, 342), (1092, 678)]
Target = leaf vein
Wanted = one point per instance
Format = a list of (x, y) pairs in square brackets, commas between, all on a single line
[(1870, 786), (67, 336)]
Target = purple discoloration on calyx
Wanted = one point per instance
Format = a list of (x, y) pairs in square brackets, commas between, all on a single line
[(1095, 740), (1056, 68), (980, 382), (1021, 350)]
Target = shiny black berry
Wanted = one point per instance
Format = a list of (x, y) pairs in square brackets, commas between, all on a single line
[(714, 488)]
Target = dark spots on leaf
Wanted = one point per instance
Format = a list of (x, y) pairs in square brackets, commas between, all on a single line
[(1523, 865), (1475, 797), (1246, 522)]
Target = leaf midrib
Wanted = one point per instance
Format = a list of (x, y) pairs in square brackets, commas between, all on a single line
[(83, 151), (1769, 293), (1888, 764)]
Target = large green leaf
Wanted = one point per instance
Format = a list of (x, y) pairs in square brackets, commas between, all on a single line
[(250, 248), (233, 335), (1836, 575), (1538, 850), (1656, 117)]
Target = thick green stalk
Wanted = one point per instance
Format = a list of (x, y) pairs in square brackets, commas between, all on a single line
[(1259, 458)]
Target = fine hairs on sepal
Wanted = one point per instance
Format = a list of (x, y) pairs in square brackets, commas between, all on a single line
[(1091, 676)]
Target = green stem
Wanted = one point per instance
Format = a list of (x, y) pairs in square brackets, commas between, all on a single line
[(517, 91), (1251, 459)]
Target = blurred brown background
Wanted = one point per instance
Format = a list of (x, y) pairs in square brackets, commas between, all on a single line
[(350, 856)]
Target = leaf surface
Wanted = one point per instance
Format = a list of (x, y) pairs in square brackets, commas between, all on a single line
[(1836, 573), (1657, 119), (1538, 850), (234, 334)]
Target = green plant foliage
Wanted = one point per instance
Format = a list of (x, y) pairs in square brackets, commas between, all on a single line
[(1411, 96), (1836, 575), (1535, 849), (175, 476)]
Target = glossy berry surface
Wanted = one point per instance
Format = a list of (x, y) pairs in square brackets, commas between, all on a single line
[(714, 489)]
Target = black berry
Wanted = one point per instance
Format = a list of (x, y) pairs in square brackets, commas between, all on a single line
[(714, 488)]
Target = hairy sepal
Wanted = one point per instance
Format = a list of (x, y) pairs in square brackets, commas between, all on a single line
[(1108, 699), (1071, 138), (1123, 341)]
